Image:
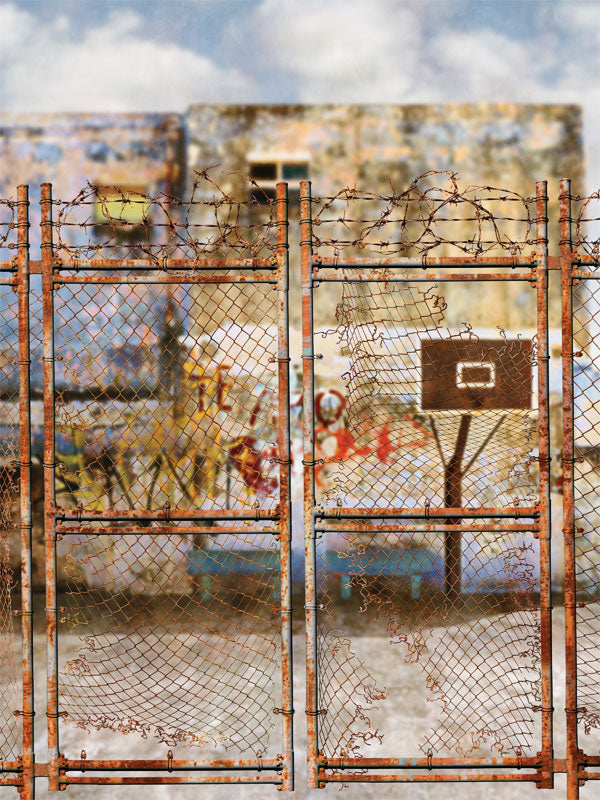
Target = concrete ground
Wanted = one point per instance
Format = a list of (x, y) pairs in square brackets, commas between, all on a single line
[(388, 669)]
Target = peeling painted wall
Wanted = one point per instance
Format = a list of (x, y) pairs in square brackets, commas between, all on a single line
[(380, 147), (374, 147)]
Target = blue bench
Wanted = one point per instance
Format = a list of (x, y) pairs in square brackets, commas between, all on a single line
[(412, 565), (229, 563)]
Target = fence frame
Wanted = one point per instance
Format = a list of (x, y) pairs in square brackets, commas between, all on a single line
[(573, 269), (15, 273), (273, 270), (539, 769), (578, 766)]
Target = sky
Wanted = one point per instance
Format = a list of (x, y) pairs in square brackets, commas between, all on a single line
[(163, 55)]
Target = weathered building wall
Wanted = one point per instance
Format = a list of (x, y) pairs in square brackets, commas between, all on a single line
[(376, 148), (381, 147), (70, 150)]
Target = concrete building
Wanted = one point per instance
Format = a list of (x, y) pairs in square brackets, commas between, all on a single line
[(378, 148)]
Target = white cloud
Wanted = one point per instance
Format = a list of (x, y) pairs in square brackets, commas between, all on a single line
[(383, 51), (363, 51), (343, 52), (109, 68)]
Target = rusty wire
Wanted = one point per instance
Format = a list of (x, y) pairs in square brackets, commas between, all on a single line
[(395, 452), (424, 219), (478, 644), (143, 404), (479, 657), (178, 659), (224, 212), (7, 227), (166, 402), (10, 689), (586, 224), (586, 452)]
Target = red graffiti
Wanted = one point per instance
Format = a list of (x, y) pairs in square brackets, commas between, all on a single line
[(249, 462), (345, 445), (222, 387)]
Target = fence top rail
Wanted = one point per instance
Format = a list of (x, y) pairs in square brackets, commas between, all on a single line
[(433, 215), (166, 265), (223, 215), (585, 223), (424, 261)]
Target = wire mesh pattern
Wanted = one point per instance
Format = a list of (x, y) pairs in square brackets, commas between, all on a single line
[(396, 451), (169, 470), (10, 679), (166, 397), (195, 667), (479, 656), (586, 420), (429, 414)]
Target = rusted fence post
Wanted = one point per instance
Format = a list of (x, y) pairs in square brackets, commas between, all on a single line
[(566, 246), (543, 358), (25, 496), (49, 490), (309, 484), (285, 538)]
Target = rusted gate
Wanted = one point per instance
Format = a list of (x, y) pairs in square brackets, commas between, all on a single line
[(579, 239), (16, 663), (442, 447), (167, 475), (166, 461)]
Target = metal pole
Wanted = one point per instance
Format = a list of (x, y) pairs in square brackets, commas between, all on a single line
[(569, 492), (283, 374), (309, 486), (547, 754), (453, 499), (28, 790), (49, 489)]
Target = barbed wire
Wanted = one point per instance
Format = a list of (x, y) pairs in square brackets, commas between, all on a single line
[(425, 218), (586, 224), (120, 222)]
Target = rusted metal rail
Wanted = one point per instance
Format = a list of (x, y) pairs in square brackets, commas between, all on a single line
[(331, 727), (580, 494), (406, 535)]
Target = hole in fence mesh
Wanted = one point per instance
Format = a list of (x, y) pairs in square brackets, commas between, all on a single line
[(404, 417), (433, 415), (166, 395), (173, 638), (458, 678), (10, 672)]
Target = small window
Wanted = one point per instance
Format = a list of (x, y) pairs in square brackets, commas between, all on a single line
[(267, 174), (263, 171), (126, 206), (294, 172)]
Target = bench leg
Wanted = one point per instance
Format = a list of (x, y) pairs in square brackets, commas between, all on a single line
[(415, 587), (345, 587)]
